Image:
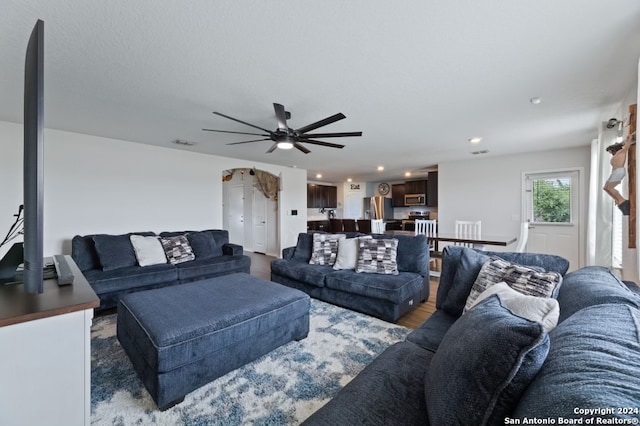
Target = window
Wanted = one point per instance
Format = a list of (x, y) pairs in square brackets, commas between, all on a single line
[(551, 199)]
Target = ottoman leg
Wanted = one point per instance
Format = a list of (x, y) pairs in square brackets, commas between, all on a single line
[(171, 404)]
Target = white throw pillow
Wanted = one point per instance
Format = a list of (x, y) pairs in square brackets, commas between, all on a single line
[(544, 310), (148, 250), (347, 257)]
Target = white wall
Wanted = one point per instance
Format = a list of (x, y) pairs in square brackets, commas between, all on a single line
[(100, 185), (490, 189)]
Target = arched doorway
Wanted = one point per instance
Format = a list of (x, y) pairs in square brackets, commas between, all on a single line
[(250, 209)]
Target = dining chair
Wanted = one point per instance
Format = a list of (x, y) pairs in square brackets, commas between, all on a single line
[(349, 225), (335, 225), (428, 227), (469, 229), (522, 239), (377, 226), (364, 226)]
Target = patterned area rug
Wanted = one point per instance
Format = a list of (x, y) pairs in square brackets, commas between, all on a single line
[(283, 387)]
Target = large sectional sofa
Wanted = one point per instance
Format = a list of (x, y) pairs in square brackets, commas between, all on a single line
[(112, 268), (386, 296), (490, 366)]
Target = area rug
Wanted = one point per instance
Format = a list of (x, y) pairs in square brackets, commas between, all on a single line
[(283, 387)]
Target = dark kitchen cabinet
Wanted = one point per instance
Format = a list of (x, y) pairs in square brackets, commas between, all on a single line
[(321, 196), (397, 195), (318, 225), (432, 190), (415, 187)]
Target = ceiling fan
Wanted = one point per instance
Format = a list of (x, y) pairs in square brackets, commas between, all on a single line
[(284, 137)]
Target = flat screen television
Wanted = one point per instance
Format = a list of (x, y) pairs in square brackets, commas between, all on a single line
[(33, 168)]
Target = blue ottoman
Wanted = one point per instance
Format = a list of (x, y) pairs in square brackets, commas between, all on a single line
[(182, 337)]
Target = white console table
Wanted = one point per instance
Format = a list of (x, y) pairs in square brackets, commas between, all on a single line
[(45, 355)]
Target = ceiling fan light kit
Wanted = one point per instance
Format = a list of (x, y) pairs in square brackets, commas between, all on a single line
[(284, 137)]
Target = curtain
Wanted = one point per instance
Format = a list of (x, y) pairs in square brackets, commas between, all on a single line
[(267, 183)]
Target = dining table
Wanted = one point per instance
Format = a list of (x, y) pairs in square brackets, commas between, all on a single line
[(451, 237)]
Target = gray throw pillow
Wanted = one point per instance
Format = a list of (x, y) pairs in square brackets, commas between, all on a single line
[(377, 256), (325, 249), (148, 250), (483, 365), (524, 279), (177, 249)]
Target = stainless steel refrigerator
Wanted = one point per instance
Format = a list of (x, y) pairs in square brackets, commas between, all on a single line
[(377, 207)]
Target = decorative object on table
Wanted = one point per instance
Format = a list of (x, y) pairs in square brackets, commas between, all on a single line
[(16, 228), (283, 387), (284, 137)]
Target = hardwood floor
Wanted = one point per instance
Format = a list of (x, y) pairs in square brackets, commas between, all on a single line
[(261, 268)]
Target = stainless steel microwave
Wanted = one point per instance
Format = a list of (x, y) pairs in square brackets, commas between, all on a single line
[(414, 200)]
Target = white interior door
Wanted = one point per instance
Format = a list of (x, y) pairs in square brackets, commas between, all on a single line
[(552, 208), (259, 221), (235, 214)]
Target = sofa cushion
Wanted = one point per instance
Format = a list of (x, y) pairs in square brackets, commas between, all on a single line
[(593, 285), (593, 362), (177, 249), (430, 333), (523, 279), (205, 268), (347, 257), (204, 245), (83, 252), (544, 310), (483, 365), (114, 251), (301, 271), (325, 249), (377, 256), (304, 247), (148, 250), (394, 288), (412, 253), (455, 283), (130, 277)]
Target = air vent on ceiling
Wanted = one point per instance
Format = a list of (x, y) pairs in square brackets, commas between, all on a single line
[(484, 151), (183, 142)]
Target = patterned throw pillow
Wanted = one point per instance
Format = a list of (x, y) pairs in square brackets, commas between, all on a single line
[(325, 249), (377, 256), (177, 249), (524, 279)]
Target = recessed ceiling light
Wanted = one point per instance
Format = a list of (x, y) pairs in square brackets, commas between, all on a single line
[(318, 176), (380, 168), (407, 174), (475, 139), (535, 100), (349, 180)]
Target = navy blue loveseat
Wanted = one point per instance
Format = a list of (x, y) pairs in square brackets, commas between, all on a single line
[(586, 369), (112, 270), (384, 296)]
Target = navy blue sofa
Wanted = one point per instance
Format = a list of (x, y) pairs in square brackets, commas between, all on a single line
[(384, 296), (112, 269), (588, 366)]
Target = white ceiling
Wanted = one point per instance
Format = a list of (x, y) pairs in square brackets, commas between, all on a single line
[(418, 77)]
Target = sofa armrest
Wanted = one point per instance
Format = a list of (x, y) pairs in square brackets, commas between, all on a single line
[(231, 249), (287, 253)]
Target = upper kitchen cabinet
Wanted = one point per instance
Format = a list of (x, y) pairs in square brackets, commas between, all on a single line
[(397, 195), (432, 190), (415, 187), (321, 196)]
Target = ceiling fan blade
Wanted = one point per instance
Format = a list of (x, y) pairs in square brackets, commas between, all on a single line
[(273, 148), (331, 135), (237, 133), (255, 140), (281, 116), (324, 122), (332, 145), (242, 122), (301, 148)]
